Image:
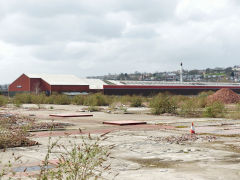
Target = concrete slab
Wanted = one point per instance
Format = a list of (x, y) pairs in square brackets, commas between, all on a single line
[(70, 115), (124, 123), (138, 152)]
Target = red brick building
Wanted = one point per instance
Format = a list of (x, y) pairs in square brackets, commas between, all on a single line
[(48, 84)]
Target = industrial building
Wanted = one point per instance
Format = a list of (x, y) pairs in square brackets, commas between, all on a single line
[(47, 83), (154, 87), (72, 85)]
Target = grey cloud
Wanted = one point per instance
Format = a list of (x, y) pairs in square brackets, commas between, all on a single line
[(20, 29), (110, 36), (149, 11)]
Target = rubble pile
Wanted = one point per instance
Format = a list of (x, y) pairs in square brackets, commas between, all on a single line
[(183, 138), (225, 95), (14, 130), (14, 122)]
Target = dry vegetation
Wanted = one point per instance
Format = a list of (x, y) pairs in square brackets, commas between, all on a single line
[(206, 104), (14, 129), (86, 160)]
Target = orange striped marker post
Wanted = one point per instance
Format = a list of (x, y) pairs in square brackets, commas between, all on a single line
[(192, 130)]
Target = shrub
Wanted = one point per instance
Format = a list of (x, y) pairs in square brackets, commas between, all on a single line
[(93, 108), (216, 109), (205, 93), (201, 101), (233, 115), (202, 98), (97, 99), (78, 100), (61, 99), (179, 99), (3, 100), (162, 104), (50, 99), (38, 99), (136, 101), (189, 108), (23, 98), (82, 161), (102, 100), (125, 99)]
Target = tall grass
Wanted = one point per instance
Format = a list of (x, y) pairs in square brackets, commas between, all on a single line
[(22, 98), (189, 108), (79, 100), (3, 100), (136, 101), (61, 99), (97, 99)]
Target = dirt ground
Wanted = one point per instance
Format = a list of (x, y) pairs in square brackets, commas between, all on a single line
[(156, 150)]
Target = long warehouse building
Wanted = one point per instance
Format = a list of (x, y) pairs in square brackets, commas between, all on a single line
[(151, 87), (70, 84), (49, 83)]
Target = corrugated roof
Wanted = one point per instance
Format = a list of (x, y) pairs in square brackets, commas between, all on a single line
[(95, 83), (58, 79), (66, 79), (115, 82)]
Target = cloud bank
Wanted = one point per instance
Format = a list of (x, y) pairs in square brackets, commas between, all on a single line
[(93, 37)]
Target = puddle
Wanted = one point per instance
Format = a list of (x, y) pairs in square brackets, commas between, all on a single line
[(181, 164), (156, 162), (182, 126), (220, 125), (220, 135), (232, 148), (224, 147), (232, 159), (31, 168)]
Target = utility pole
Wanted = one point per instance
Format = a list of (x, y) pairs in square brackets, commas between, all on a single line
[(181, 72)]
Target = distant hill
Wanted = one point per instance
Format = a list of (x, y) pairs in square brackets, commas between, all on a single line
[(229, 74)]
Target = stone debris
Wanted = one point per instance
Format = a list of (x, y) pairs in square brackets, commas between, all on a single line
[(225, 95), (185, 138)]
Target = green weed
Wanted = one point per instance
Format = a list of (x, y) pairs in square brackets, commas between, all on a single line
[(216, 109)]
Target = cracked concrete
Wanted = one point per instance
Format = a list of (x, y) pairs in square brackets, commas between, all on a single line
[(137, 155)]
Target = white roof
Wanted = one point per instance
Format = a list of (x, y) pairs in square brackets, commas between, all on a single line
[(174, 83), (95, 83), (59, 79), (115, 82)]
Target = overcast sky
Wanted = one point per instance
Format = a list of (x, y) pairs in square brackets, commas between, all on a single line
[(97, 37)]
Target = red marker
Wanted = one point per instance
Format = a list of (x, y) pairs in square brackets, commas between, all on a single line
[(192, 131)]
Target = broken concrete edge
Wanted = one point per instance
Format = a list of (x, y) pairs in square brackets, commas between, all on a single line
[(54, 129), (71, 115), (68, 133), (124, 123)]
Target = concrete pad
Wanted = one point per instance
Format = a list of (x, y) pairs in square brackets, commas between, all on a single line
[(138, 154), (70, 115), (124, 123)]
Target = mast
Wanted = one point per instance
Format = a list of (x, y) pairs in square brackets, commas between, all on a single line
[(181, 72)]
